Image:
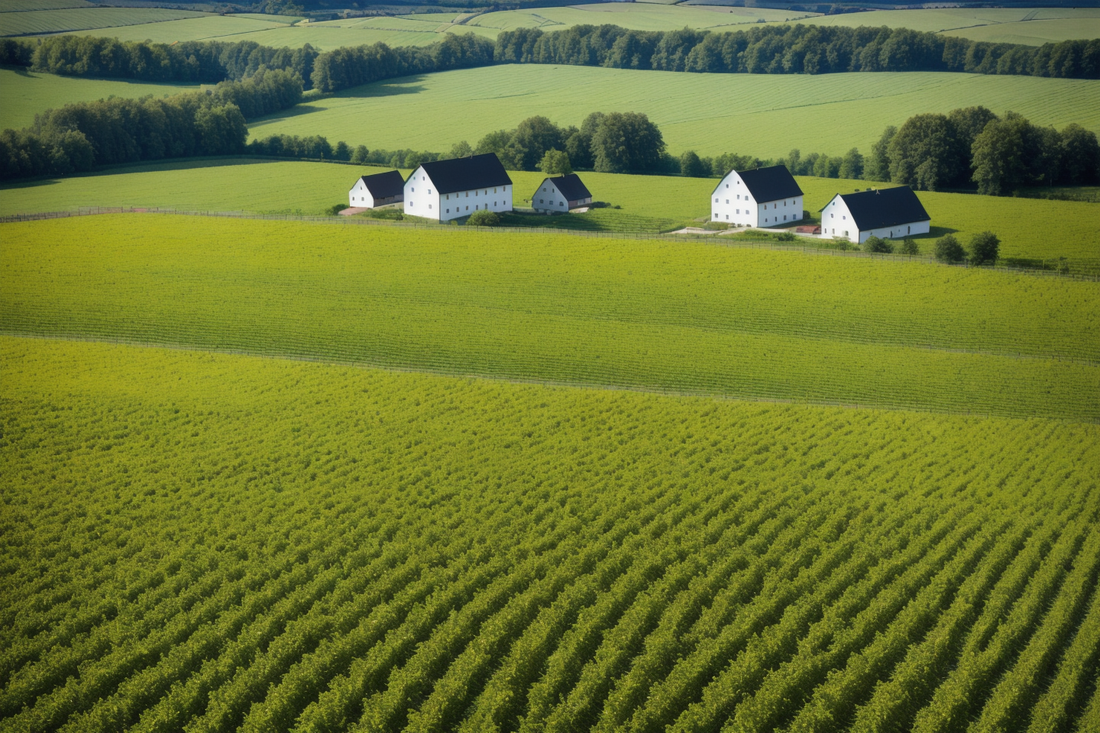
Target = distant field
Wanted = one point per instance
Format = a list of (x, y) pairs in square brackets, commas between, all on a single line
[(16, 6), (644, 17), (26, 93), (653, 314), (76, 19), (753, 114), (1002, 25), (1027, 227)]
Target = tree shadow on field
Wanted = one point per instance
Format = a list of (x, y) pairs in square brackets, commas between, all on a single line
[(176, 164), (936, 233), (388, 88)]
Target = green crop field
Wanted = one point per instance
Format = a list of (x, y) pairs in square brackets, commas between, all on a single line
[(26, 93), (652, 314), (17, 6), (225, 543), (77, 19), (1028, 228), (757, 114), (252, 27)]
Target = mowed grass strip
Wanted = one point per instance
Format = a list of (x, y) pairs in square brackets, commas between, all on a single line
[(651, 315), (28, 93), (1028, 228), (754, 114)]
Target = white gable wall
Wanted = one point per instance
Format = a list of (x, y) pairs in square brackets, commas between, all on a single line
[(549, 198), (360, 196), (837, 221), (421, 196), (731, 203)]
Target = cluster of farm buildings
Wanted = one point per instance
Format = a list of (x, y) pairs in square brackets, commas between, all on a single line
[(764, 197)]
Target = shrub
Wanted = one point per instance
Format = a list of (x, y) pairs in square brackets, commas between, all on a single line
[(877, 244), (785, 237), (949, 250), (984, 248), (335, 209), (390, 214), (909, 247), (484, 218)]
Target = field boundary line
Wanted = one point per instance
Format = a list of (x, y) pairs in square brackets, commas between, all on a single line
[(530, 381), (637, 236)]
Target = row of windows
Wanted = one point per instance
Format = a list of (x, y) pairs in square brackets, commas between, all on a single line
[(457, 209), (476, 193), (560, 203)]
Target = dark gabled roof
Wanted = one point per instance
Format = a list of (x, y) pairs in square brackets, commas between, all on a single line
[(385, 185), (466, 174), (770, 184), (570, 186), (884, 208)]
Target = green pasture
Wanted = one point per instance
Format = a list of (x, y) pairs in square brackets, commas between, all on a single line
[(1028, 228), (79, 19), (648, 314), (757, 114), (26, 93)]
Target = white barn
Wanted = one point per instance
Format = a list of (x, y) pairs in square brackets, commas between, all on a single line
[(450, 189), (764, 197), (888, 213), (561, 194), (377, 190)]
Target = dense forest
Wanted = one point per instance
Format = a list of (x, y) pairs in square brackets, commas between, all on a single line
[(78, 137)]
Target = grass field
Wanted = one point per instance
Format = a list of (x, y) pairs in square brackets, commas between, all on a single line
[(650, 314), (1029, 26), (227, 543), (760, 115), (1027, 227), (18, 6), (26, 93), (78, 19)]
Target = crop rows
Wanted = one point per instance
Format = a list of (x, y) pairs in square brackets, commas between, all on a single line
[(200, 542)]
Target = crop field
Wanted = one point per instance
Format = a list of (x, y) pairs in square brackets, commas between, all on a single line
[(76, 19), (643, 17), (650, 314), (27, 93), (1028, 228), (757, 114), (252, 27), (16, 6), (223, 543)]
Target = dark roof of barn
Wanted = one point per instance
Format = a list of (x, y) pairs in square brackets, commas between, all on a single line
[(385, 185), (884, 208), (571, 187), (467, 174), (770, 184)]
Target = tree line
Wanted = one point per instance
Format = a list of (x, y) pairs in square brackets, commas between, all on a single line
[(973, 146), (793, 49), (78, 137), (191, 61)]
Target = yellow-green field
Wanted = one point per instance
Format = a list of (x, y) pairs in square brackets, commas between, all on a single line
[(78, 19), (754, 114), (659, 315), (27, 93), (1029, 228), (1023, 25)]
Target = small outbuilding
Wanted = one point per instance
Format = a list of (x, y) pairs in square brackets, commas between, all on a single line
[(763, 197), (450, 189), (887, 213), (377, 190), (561, 193)]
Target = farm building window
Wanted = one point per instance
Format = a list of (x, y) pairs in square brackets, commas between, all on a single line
[(413, 190), (494, 190), (541, 201), (727, 217), (716, 216), (831, 216), (429, 206), (429, 192), (715, 200), (448, 211), (561, 203), (727, 201), (411, 203)]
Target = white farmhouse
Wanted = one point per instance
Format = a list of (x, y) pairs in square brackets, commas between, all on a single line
[(889, 213), (377, 190), (561, 194), (764, 197), (450, 189)]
